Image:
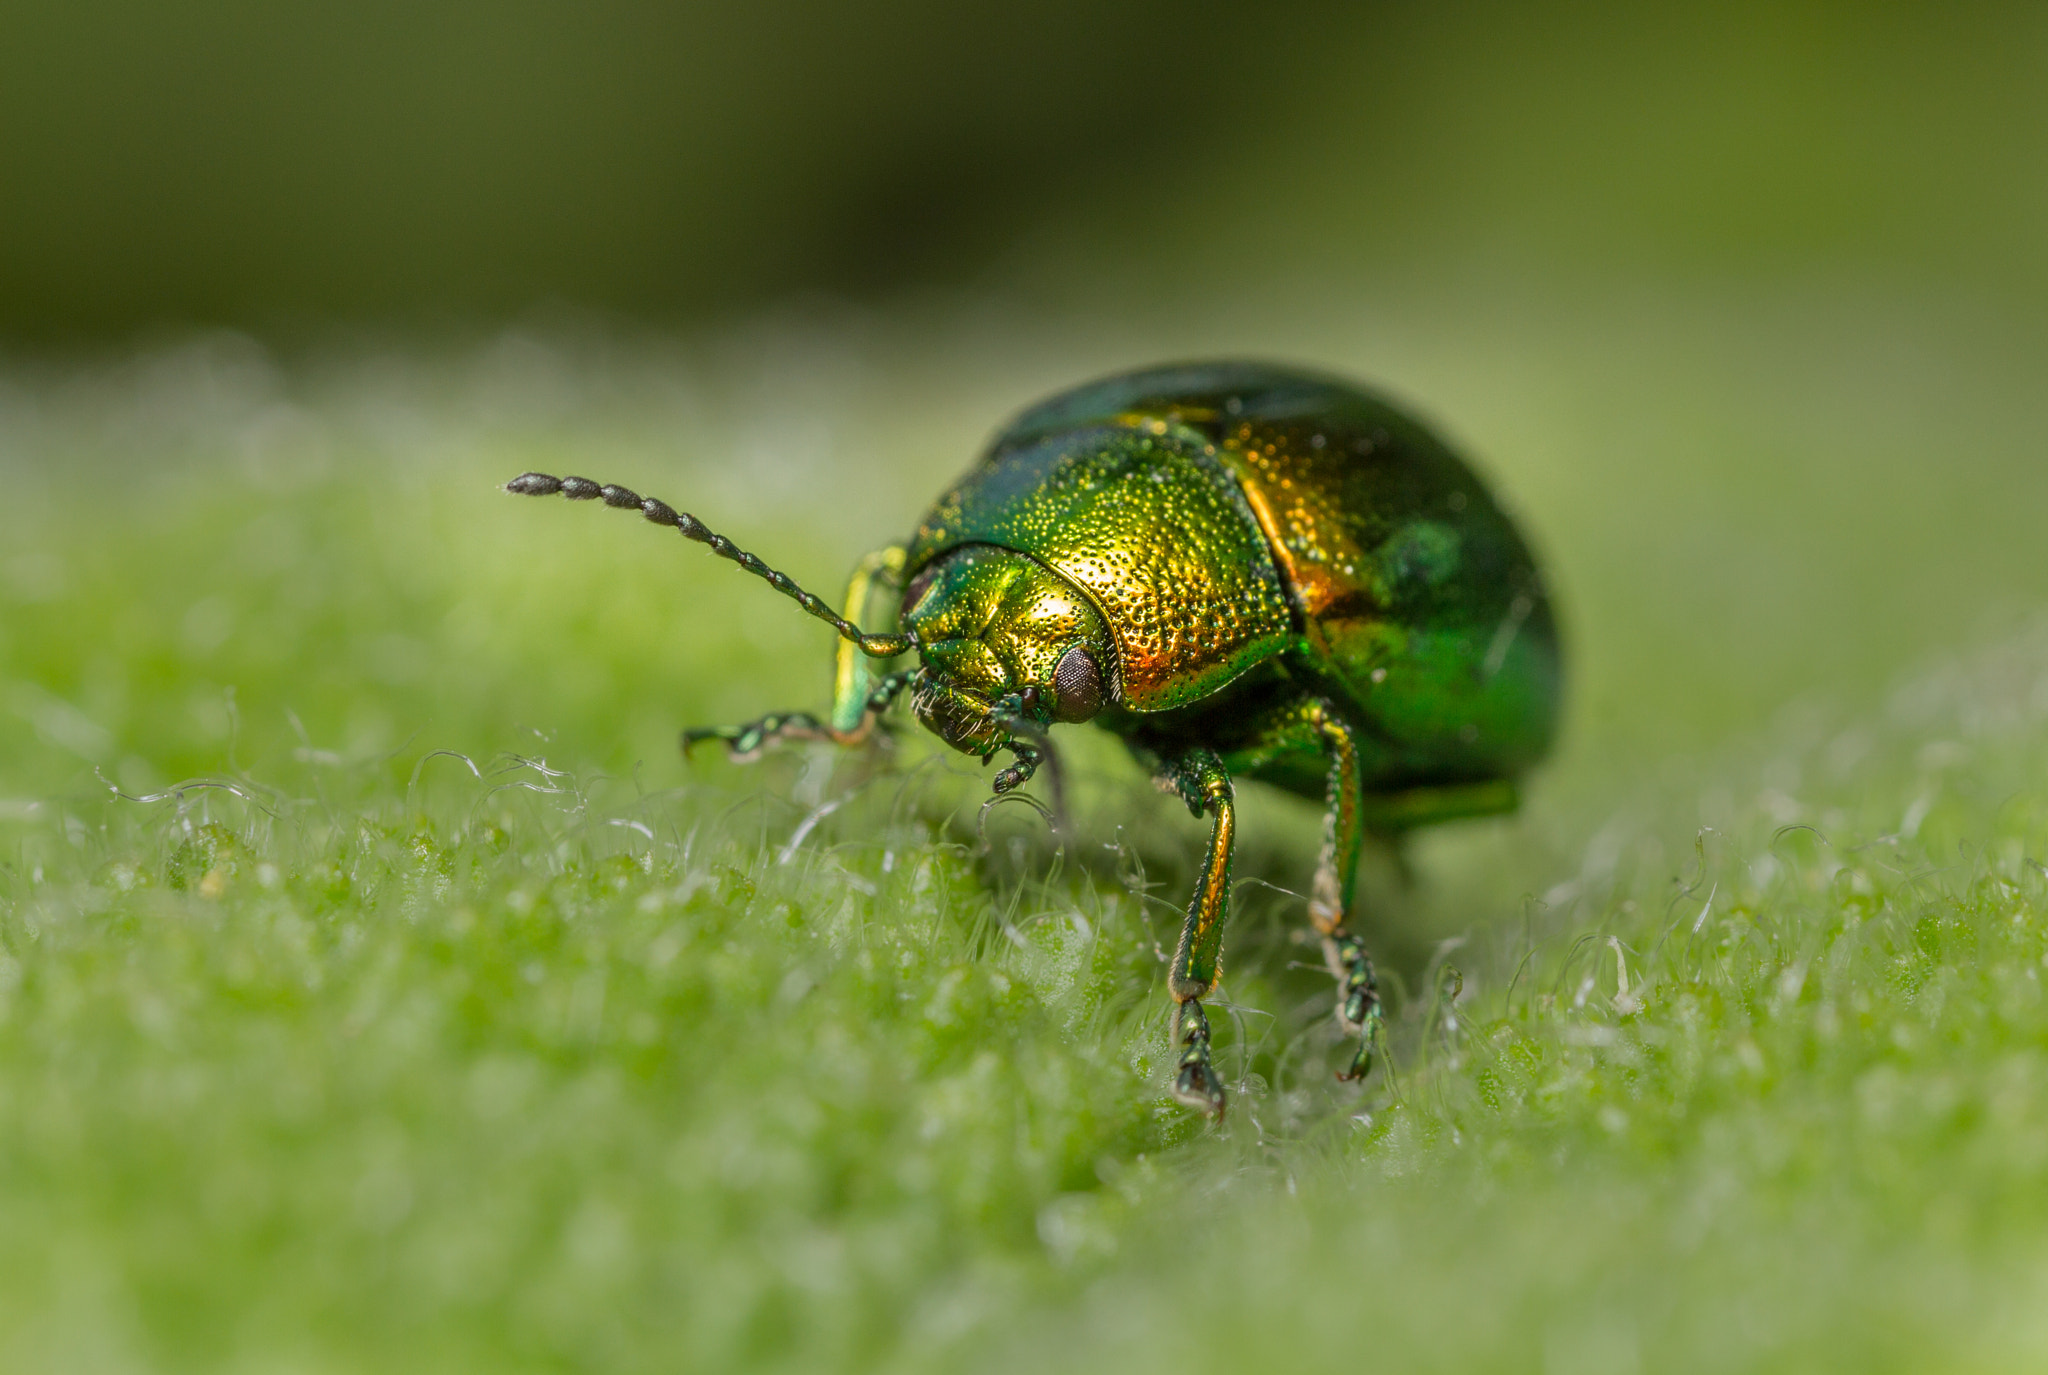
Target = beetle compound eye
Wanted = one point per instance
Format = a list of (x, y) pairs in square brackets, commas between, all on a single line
[(1077, 683)]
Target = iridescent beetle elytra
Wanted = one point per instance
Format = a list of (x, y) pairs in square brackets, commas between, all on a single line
[(1243, 571)]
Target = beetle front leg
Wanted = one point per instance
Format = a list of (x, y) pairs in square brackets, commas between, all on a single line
[(1199, 778), (1358, 996), (859, 697), (745, 743)]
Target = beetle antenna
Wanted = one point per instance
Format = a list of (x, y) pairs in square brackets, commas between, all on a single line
[(661, 513)]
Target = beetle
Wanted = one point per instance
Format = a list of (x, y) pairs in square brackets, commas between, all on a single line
[(1244, 571)]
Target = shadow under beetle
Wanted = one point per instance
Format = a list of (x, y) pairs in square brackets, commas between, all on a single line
[(1242, 570)]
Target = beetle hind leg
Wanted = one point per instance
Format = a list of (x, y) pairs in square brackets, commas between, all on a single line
[(1358, 997)]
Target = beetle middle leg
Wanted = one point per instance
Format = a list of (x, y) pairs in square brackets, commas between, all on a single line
[(1200, 779), (1358, 997)]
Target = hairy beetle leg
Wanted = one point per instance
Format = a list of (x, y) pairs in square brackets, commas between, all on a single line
[(1195, 1083)]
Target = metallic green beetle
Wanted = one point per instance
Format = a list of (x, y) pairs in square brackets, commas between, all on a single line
[(1244, 571)]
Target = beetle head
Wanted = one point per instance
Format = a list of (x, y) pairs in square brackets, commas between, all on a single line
[(1007, 644)]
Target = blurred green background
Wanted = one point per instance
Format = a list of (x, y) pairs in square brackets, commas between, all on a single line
[(286, 166), (1728, 1053)]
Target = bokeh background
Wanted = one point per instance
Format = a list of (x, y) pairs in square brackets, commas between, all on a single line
[(368, 1056), (290, 167)]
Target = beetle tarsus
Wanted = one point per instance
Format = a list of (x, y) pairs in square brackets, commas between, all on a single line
[(1358, 997), (1024, 715), (1195, 1083), (744, 743), (1018, 774)]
